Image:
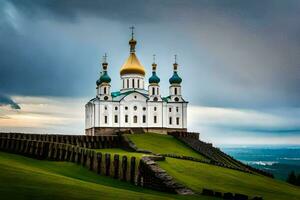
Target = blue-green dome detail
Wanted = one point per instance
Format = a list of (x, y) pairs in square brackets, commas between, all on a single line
[(175, 79), (154, 78), (104, 78)]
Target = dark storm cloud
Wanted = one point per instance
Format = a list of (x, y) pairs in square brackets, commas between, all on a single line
[(5, 100), (244, 53), (71, 10)]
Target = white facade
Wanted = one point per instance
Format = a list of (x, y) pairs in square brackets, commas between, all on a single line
[(133, 106)]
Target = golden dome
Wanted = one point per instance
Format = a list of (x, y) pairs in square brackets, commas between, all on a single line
[(132, 66)]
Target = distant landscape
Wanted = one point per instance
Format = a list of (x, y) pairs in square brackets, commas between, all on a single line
[(278, 160)]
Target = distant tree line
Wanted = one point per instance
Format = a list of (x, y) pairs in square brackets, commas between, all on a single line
[(293, 178)]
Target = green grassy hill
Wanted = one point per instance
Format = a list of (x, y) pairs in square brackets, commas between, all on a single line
[(163, 144), (26, 178), (199, 175)]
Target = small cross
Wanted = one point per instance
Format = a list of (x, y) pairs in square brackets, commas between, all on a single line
[(132, 31), (154, 58), (105, 58), (175, 56)]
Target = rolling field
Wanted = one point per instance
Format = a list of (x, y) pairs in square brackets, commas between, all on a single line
[(163, 144), (26, 178), (197, 175)]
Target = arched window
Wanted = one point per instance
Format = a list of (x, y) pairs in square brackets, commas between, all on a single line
[(126, 118), (133, 86), (157, 91), (138, 83), (144, 118), (116, 118), (175, 91), (155, 119), (127, 83), (123, 83), (135, 119), (170, 120), (105, 119), (104, 90), (153, 91)]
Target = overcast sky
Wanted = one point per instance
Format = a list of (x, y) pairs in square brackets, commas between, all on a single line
[(239, 61)]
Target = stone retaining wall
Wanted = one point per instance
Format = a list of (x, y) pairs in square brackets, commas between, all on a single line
[(228, 195), (153, 177)]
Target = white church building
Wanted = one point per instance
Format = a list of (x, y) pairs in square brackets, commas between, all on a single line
[(133, 107)]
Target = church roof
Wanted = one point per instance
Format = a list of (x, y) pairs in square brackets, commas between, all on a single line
[(118, 96), (132, 66)]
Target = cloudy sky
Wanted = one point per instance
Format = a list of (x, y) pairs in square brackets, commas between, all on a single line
[(239, 60)]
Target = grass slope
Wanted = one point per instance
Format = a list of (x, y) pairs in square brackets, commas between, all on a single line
[(26, 178), (163, 144), (199, 175)]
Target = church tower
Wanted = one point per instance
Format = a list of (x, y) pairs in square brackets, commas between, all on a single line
[(175, 87), (132, 72), (103, 83), (153, 89)]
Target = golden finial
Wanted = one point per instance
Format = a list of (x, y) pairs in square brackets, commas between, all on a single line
[(175, 63), (154, 64), (104, 62), (132, 42)]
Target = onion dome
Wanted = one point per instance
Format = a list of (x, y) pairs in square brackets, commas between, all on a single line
[(154, 78), (104, 78), (175, 79), (132, 64)]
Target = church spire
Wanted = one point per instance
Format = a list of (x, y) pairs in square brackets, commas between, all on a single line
[(175, 79), (175, 65), (104, 77), (132, 41), (154, 79), (104, 62), (154, 65)]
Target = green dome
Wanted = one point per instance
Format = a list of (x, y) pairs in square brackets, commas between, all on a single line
[(103, 79), (175, 79), (154, 78)]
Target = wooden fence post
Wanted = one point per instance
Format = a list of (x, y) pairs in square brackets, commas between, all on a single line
[(132, 170), (116, 166), (99, 163), (124, 168), (107, 164)]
